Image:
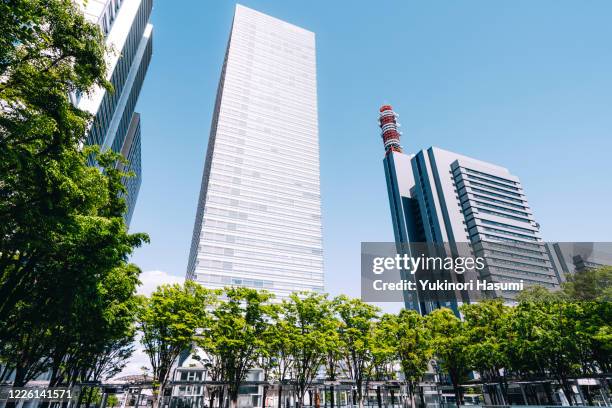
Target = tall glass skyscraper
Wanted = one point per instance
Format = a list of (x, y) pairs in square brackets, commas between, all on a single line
[(258, 222), (116, 125)]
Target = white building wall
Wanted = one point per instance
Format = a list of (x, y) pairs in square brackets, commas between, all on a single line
[(259, 219), (115, 18)]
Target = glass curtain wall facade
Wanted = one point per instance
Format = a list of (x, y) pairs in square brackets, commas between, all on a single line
[(258, 222), (131, 150), (125, 24)]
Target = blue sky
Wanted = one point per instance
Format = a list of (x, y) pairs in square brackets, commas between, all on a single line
[(523, 84)]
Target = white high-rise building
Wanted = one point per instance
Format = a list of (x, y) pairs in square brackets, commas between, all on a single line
[(258, 221), (116, 125)]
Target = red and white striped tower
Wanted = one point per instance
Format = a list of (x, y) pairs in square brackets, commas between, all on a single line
[(387, 121)]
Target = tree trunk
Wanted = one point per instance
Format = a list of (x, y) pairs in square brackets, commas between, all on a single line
[(299, 401), (360, 394), (264, 395), (567, 390), (233, 395), (503, 386), (492, 391), (529, 395), (104, 398), (589, 396), (89, 395), (457, 391), (20, 373), (406, 395), (280, 396), (211, 398), (158, 395), (549, 395), (221, 396), (19, 381), (332, 395), (421, 396), (80, 399), (324, 396), (378, 396)]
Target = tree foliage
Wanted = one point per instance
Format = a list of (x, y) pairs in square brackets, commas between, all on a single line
[(308, 324), (292, 341), (356, 325), (168, 322), (65, 285), (589, 285), (410, 342), (450, 342), (237, 332), (485, 326)]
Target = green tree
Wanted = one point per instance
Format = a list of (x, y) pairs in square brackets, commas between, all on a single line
[(450, 342), (410, 340), (589, 285), (382, 349), (596, 326), (383, 353), (269, 354), (593, 334), (586, 314), (96, 340), (545, 340), (309, 320), (356, 324), (112, 401), (537, 293), (62, 233), (586, 285), (168, 322), (213, 364), (333, 358), (237, 332), (485, 327), (68, 297), (47, 51), (279, 345)]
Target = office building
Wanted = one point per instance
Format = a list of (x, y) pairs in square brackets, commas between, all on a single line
[(116, 126), (258, 221), (441, 197)]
